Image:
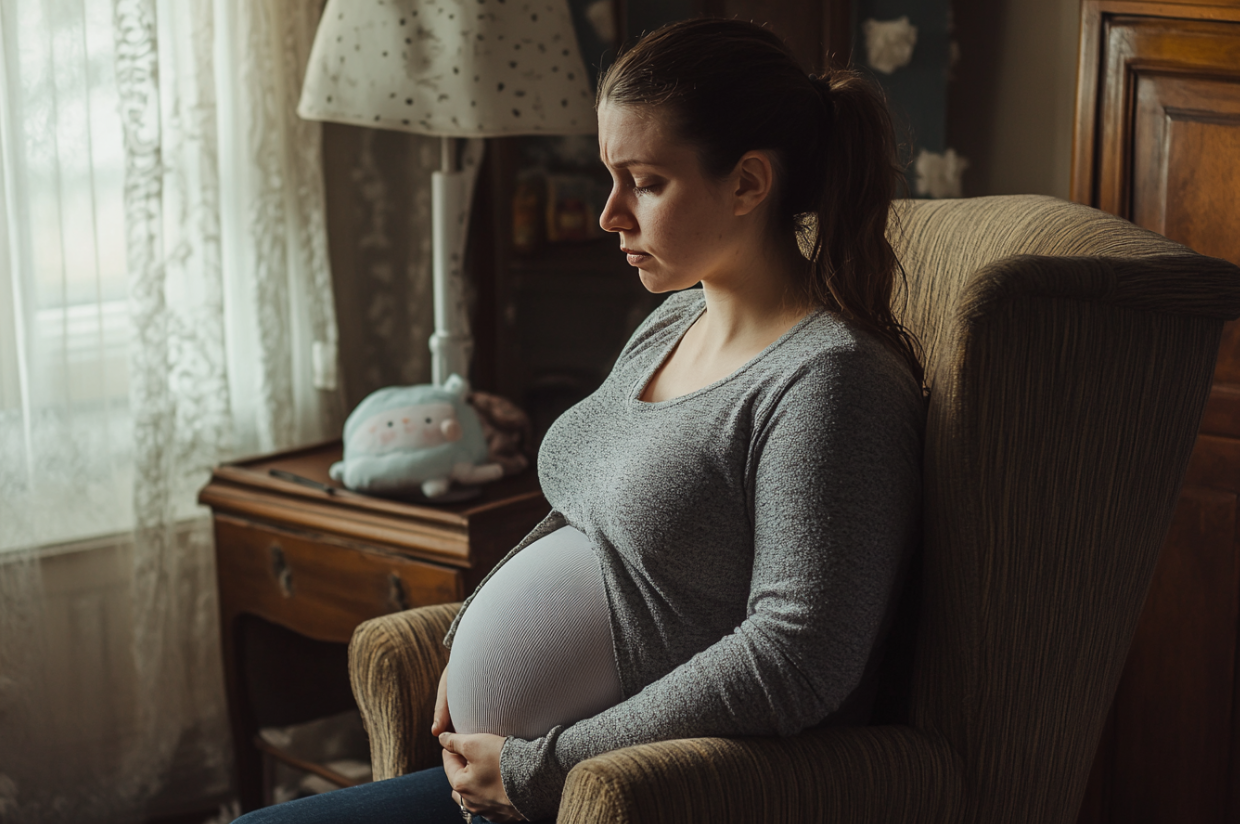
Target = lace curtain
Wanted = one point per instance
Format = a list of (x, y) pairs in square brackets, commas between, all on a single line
[(165, 303)]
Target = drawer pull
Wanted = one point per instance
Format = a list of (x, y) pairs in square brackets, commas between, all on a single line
[(280, 569), (398, 594)]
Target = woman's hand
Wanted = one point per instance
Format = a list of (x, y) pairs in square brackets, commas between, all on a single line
[(472, 765), (441, 722)]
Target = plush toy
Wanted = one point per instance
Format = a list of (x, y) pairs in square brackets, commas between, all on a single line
[(406, 438)]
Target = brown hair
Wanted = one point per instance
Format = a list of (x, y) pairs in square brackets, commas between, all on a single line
[(730, 87)]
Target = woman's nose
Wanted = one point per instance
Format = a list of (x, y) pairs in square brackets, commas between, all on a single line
[(615, 217)]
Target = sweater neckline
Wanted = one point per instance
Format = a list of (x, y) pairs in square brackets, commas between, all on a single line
[(647, 375)]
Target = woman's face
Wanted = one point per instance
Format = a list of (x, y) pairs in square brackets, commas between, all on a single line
[(673, 221)]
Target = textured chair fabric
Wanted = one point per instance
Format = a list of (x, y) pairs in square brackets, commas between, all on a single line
[(1068, 356), (395, 663)]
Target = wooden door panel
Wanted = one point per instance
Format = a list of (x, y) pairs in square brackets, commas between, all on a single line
[(1186, 148), (1186, 181), (1139, 51), (1171, 752), (1169, 150)]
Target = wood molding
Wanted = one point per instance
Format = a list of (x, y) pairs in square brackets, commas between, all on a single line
[(1220, 10), (1101, 134)]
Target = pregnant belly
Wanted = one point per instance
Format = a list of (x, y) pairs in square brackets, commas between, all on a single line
[(534, 648)]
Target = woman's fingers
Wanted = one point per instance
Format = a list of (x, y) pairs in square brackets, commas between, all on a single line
[(441, 721), (452, 762), (455, 768), (471, 763), (477, 747), (457, 771)]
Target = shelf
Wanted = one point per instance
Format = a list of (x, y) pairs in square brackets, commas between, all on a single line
[(322, 771)]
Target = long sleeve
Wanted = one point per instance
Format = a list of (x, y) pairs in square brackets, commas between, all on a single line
[(832, 477)]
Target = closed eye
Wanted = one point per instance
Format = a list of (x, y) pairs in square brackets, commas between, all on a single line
[(627, 182)]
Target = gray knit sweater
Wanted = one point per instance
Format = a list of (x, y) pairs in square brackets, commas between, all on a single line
[(751, 535)]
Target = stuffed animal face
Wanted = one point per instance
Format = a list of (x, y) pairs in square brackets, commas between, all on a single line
[(414, 438), (419, 426)]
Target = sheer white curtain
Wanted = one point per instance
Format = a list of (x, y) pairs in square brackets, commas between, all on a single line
[(165, 300)]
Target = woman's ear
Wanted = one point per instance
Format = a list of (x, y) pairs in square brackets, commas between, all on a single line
[(755, 177)]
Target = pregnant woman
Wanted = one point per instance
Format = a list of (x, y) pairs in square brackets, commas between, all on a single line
[(733, 509)]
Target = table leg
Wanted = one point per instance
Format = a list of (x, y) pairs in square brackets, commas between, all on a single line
[(246, 758)]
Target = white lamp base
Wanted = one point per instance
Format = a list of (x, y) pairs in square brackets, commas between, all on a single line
[(450, 356), (451, 195)]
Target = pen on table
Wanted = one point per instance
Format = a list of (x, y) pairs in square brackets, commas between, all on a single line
[(297, 479)]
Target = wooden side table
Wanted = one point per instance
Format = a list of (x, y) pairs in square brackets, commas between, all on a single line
[(298, 568)]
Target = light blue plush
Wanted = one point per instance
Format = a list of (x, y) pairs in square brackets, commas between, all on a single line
[(401, 467)]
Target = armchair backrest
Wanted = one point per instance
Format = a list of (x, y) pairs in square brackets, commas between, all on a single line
[(1069, 355)]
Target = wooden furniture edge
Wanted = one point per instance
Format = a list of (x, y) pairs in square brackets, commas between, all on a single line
[(342, 496), (347, 500), (1084, 132), (444, 543), (1159, 8)]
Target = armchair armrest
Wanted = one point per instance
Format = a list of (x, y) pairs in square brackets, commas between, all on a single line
[(836, 774), (395, 662)]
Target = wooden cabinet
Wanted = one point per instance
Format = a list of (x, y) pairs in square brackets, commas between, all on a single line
[(300, 567), (1158, 142)]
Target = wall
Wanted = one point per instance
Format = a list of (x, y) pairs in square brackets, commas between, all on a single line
[(1012, 98), (916, 92), (69, 682)]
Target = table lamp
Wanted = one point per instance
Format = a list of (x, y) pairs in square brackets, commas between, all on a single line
[(453, 69)]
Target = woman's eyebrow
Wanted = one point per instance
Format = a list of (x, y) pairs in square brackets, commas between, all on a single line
[(637, 161)]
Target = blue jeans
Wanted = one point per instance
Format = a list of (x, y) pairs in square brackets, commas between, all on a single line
[(423, 797)]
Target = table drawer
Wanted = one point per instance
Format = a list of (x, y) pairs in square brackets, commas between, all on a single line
[(320, 588)]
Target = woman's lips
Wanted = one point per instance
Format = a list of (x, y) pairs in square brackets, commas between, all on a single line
[(634, 257)]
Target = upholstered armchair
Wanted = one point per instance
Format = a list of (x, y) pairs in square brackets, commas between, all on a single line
[(1068, 355)]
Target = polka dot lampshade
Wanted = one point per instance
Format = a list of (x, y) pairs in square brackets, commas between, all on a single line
[(453, 68)]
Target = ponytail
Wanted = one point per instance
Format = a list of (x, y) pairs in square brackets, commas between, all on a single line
[(853, 266), (728, 87)]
